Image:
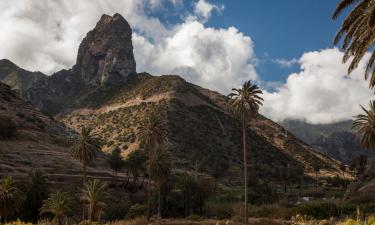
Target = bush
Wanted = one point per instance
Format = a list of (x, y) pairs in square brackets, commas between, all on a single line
[(86, 222), (271, 211), (18, 222), (136, 210), (320, 210), (194, 217), (219, 210), (7, 128)]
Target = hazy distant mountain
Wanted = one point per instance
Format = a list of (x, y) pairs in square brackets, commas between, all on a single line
[(336, 140)]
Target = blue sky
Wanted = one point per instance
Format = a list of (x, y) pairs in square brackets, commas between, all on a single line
[(217, 44), (279, 29)]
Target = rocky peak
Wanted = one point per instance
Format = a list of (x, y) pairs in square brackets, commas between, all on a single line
[(105, 56)]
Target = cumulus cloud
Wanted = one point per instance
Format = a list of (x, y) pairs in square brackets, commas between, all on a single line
[(44, 35), (204, 9), (321, 92), (213, 58), (285, 63)]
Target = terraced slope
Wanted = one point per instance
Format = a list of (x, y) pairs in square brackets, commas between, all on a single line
[(40, 142)]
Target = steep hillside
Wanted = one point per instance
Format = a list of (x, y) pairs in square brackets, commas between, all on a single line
[(200, 130), (39, 142)]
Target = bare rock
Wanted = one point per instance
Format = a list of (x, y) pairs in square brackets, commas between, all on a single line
[(105, 56)]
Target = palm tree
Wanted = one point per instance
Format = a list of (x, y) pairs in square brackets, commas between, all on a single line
[(85, 149), (160, 168), (364, 124), (152, 132), (94, 195), (36, 192), (10, 197), (60, 204), (245, 102), (358, 33)]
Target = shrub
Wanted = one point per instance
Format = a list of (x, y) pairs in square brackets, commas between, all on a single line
[(194, 217), (18, 222), (7, 128), (86, 222), (219, 210), (136, 221), (319, 210), (136, 210), (349, 222)]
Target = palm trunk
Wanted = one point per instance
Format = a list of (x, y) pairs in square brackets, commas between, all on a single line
[(245, 164), (84, 174), (159, 206), (90, 212), (149, 188)]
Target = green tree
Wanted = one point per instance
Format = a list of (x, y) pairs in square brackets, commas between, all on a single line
[(364, 125), (135, 164), (152, 132), (85, 149), (115, 161), (244, 103), (60, 205), (36, 192), (10, 199), (160, 169), (187, 184), (357, 33), (94, 195)]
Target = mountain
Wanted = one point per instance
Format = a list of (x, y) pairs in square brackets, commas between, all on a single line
[(105, 59), (336, 140), (34, 140), (103, 91)]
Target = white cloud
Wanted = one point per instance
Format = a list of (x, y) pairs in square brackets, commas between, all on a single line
[(321, 92), (204, 9), (214, 58), (285, 63), (44, 35)]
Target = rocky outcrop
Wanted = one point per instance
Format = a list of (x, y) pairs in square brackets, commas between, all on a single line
[(105, 59), (105, 55)]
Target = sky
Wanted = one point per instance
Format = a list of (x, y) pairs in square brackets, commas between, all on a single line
[(283, 46)]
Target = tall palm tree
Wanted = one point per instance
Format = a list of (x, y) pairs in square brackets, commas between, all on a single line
[(160, 168), (152, 132), (244, 103), (60, 205), (10, 197), (36, 192), (364, 124), (358, 33), (94, 195), (85, 149)]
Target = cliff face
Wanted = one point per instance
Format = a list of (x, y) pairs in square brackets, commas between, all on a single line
[(105, 56)]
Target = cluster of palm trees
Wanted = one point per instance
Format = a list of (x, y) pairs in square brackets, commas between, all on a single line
[(152, 134)]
